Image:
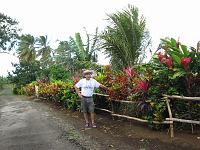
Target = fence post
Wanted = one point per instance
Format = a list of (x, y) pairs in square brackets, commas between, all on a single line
[(170, 117), (36, 91)]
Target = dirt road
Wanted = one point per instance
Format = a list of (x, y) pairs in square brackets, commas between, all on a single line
[(31, 124)]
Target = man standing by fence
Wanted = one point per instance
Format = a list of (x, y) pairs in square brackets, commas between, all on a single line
[(87, 85)]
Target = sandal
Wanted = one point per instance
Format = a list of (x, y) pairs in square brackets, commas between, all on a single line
[(94, 125), (87, 125)]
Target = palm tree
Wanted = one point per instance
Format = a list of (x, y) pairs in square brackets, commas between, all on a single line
[(44, 50), (27, 49), (126, 39)]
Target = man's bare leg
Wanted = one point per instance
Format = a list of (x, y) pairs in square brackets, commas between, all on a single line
[(92, 117), (86, 117)]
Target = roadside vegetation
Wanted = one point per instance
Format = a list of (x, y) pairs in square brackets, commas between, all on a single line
[(174, 68)]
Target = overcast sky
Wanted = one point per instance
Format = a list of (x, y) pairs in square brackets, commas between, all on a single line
[(60, 19)]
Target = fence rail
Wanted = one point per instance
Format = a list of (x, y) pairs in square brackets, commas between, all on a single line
[(169, 120)]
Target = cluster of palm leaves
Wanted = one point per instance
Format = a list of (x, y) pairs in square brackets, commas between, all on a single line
[(126, 39), (31, 48)]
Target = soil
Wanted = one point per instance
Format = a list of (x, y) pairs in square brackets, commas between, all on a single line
[(67, 128)]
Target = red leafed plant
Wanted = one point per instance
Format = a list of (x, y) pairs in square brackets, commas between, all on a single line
[(120, 87), (142, 86)]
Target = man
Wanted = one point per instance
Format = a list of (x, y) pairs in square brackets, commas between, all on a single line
[(87, 85)]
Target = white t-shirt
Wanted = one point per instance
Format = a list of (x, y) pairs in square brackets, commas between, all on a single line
[(87, 86)]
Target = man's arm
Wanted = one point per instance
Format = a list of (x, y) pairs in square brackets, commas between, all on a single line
[(103, 87), (78, 91)]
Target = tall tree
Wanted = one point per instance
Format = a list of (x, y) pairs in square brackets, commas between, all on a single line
[(8, 32), (63, 55), (27, 48), (44, 51), (24, 73), (126, 39)]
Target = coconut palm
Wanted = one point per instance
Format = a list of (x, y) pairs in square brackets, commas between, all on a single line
[(27, 50), (44, 50), (126, 39)]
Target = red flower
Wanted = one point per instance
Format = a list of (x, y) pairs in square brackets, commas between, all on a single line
[(164, 59), (169, 62), (129, 71), (185, 62), (160, 57)]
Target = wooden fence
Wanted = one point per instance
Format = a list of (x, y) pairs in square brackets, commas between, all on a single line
[(169, 120), (168, 98)]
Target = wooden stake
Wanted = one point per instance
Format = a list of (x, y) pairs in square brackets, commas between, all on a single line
[(170, 116)]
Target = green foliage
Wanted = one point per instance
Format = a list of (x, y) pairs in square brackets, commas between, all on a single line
[(8, 32), (182, 78), (57, 91), (125, 40), (35, 48), (143, 85), (3, 81), (27, 50), (185, 70), (44, 51), (24, 73), (58, 72), (63, 56), (75, 54)]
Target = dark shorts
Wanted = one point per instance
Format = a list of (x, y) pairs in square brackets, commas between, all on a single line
[(87, 105)]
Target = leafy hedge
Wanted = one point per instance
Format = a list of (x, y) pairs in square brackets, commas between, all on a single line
[(173, 70), (58, 91)]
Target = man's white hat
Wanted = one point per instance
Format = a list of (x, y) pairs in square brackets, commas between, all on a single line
[(87, 72)]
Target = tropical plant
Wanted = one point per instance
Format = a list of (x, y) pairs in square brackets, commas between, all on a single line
[(8, 32), (84, 55), (24, 73), (58, 72), (63, 56), (3, 81), (126, 39), (75, 55), (27, 48), (86, 52), (44, 51), (183, 63)]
